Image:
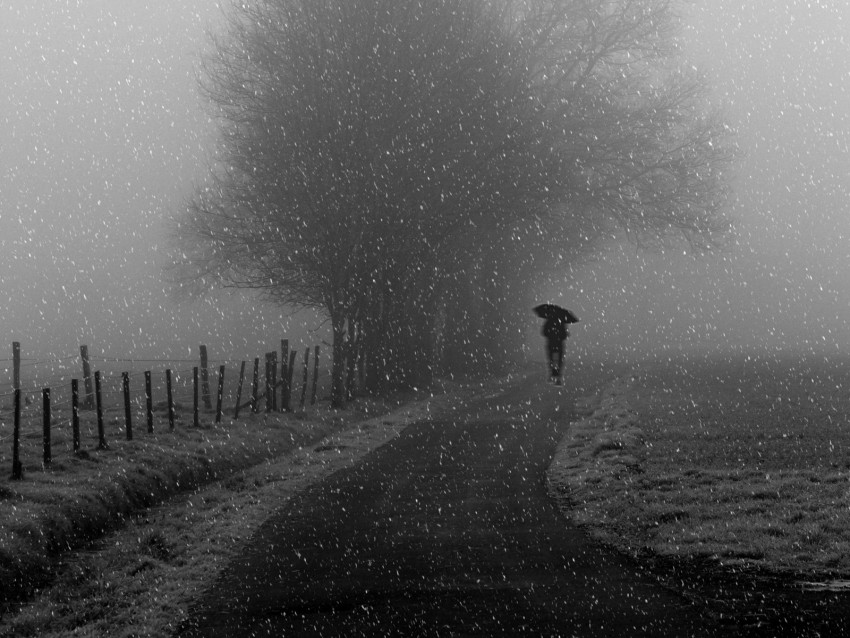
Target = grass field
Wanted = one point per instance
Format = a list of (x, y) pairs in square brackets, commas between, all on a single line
[(80, 497), (140, 579), (742, 461)]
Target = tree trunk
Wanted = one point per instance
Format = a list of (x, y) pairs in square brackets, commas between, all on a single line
[(485, 319), (468, 329), (400, 344)]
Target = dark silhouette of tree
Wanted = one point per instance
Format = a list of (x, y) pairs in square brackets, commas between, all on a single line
[(414, 166), (643, 157)]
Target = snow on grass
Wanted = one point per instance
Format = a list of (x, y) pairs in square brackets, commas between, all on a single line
[(78, 498), (141, 579), (741, 463)]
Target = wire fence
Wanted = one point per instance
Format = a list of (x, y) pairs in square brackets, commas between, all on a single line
[(133, 396)]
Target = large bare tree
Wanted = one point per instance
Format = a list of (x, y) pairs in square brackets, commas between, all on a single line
[(375, 153), (640, 154)]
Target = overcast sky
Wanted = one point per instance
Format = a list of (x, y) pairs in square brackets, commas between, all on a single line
[(102, 134), (782, 67)]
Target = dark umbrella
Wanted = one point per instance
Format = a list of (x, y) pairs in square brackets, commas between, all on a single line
[(551, 311)]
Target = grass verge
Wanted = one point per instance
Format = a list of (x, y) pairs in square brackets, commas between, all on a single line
[(730, 468), (141, 579), (79, 498)]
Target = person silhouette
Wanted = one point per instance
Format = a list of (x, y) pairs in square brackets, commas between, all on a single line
[(556, 332)]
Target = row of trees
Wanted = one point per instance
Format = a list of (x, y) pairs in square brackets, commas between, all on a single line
[(414, 167)]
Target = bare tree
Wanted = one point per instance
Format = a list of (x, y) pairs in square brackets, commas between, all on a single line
[(639, 154), (373, 152)]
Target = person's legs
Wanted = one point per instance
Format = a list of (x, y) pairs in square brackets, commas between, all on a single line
[(552, 354), (559, 363)]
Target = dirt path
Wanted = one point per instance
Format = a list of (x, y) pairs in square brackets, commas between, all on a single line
[(447, 530)]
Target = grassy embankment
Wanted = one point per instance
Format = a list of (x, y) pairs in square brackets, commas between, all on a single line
[(79, 498), (740, 463), (141, 578)]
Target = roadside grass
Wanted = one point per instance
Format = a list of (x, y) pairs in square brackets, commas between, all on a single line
[(741, 462), (142, 578), (79, 498)]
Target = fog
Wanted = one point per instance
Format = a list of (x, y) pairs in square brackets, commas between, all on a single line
[(104, 134), (782, 70)]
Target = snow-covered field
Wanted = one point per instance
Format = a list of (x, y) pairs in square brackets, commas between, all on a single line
[(740, 462)]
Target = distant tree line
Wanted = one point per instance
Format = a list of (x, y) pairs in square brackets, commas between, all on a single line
[(415, 167)]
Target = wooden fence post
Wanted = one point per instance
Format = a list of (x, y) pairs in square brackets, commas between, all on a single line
[(75, 414), (239, 390), (219, 397), (273, 369), (255, 407), (170, 399), (205, 379), (196, 420), (16, 365), (304, 383), (268, 382), (289, 375), (125, 382), (315, 377), (149, 400), (361, 362), (101, 434), (284, 389), (88, 404), (17, 468), (45, 394)]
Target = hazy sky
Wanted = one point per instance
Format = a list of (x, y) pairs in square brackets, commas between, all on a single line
[(102, 134), (782, 67)]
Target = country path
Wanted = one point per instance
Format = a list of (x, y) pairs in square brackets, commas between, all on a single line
[(445, 531)]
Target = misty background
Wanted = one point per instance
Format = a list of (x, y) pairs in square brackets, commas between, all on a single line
[(103, 134)]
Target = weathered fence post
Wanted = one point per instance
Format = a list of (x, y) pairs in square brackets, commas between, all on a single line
[(284, 389), (315, 377), (205, 379), (45, 395), (17, 468), (271, 382), (16, 365), (304, 383), (101, 434), (219, 397), (170, 399), (149, 400), (361, 363), (273, 370), (269, 388), (125, 382), (239, 390), (196, 421), (88, 404), (254, 386), (289, 375), (75, 414)]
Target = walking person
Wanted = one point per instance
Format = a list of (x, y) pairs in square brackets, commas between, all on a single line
[(555, 331)]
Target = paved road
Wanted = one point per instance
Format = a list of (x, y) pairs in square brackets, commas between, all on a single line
[(445, 531)]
